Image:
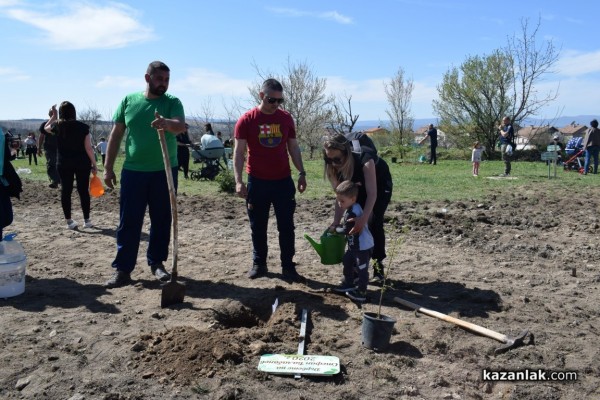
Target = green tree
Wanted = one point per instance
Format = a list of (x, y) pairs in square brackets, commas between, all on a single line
[(474, 97)]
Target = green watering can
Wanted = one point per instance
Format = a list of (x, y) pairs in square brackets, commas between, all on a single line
[(331, 249)]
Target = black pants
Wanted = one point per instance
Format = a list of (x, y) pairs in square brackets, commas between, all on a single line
[(51, 169), (32, 151), (433, 156), (82, 175), (183, 159)]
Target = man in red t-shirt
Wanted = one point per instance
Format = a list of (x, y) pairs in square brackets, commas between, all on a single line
[(268, 134)]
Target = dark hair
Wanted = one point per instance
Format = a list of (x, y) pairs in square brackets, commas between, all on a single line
[(157, 65), (347, 188), (594, 123), (208, 127), (271, 85), (66, 111)]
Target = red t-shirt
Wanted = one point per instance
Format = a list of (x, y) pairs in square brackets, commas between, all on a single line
[(266, 136)]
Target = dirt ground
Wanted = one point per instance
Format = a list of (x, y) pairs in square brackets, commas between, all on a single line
[(483, 261)]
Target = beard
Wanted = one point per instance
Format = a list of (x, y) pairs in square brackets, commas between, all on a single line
[(158, 90)]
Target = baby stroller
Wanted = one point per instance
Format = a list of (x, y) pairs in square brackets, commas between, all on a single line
[(209, 158), (575, 155)]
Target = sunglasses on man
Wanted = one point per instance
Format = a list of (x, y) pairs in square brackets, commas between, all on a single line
[(273, 100)]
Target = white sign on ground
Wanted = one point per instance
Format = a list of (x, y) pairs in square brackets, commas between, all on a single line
[(291, 364)]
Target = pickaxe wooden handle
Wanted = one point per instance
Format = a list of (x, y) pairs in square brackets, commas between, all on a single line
[(509, 342)]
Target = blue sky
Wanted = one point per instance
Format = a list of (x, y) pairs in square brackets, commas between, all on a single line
[(92, 53)]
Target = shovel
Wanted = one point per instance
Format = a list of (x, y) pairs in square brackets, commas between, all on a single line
[(172, 292), (510, 342)]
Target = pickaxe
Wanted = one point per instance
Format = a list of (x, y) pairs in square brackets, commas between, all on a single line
[(509, 342)]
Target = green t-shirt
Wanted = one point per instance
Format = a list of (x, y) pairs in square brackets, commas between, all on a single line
[(142, 146)]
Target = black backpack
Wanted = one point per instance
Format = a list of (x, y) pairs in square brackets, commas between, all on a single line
[(360, 139)]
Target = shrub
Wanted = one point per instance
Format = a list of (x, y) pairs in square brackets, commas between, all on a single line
[(226, 182)]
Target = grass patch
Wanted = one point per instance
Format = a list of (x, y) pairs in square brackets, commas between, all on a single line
[(450, 180)]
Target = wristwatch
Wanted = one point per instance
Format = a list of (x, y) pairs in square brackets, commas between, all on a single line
[(302, 173)]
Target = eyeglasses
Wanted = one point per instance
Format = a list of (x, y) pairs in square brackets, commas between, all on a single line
[(273, 100), (334, 160)]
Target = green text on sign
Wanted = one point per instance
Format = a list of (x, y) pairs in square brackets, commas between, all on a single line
[(291, 364)]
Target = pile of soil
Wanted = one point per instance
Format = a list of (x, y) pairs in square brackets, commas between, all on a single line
[(515, 260)]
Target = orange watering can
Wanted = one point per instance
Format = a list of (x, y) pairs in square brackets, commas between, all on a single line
[(331, 249)]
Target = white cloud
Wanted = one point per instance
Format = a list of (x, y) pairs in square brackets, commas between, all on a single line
[(574, 63), (122, 82), (210, 83), (12, 74), (575, 96), (87, 26), (369, 98), (328, 15)]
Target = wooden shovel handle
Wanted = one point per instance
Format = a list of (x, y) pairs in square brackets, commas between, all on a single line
[(172, 197), (467, 325)]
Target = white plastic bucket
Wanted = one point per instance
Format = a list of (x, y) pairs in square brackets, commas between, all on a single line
[(12, 268)]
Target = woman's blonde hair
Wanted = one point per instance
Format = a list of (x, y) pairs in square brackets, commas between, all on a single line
[(346, 169), (476, 144)]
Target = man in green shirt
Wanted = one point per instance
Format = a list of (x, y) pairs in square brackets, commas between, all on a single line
[(143, 178)]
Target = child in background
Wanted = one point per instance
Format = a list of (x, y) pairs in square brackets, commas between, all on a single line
[(360, 245), (476, 157)]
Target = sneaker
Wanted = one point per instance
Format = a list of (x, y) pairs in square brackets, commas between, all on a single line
[(343, 280), (53, 185), (344, 287), (377, 279), (71, 224), (357, 295), (118, 279), (159, 271), (291, 275), (257, 271), (88, 224)]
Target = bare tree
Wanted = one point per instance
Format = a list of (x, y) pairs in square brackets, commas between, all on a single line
[(342, 117), (93, 118), (233, 110), (399, 95), (305, 100)]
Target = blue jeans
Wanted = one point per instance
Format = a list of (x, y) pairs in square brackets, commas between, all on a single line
[(590, 152), (281, 194), (138, 190)]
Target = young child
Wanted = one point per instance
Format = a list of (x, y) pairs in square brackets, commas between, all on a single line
[(360, 245), (476, 157)]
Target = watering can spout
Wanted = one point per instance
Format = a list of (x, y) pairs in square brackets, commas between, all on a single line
[(317, 246)]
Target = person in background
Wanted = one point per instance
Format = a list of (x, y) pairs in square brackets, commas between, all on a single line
[(267, 135), (591, 144), (507, 138), (75, 159), (47, 141), (209, 140), (360, 244), (101, 148), (432, 135), (183, 151), (220, 137), (143, 178), (476, 154), (561, 148), (10, 183), (372, 174), (31, 147)]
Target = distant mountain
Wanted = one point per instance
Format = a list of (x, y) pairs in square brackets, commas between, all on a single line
[(420, 122)]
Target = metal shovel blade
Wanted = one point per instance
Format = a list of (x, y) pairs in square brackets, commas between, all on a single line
[(172, 293)]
